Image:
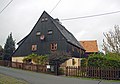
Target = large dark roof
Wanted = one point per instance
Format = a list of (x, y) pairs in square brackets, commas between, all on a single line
[(69, 37)]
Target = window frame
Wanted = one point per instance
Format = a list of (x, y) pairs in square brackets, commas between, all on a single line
[(53, 46), (34, 47), (50, 32), (38, 33)]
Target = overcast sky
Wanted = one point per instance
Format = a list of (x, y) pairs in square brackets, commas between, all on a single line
[(21, 15)]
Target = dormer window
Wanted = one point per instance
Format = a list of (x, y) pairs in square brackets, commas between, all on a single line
[(38, 33), (50, 32)]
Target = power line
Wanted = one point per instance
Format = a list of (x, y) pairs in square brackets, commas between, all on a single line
[(6, 6), (91, 16), (55, 6)]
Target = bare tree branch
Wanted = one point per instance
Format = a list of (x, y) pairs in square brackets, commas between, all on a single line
[(111, 43)]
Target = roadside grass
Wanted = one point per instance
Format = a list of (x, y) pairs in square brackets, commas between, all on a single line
[(10, 80), (95, 79)]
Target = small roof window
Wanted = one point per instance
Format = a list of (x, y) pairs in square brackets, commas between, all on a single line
[(46, 18), (50, 32), (38, 33)]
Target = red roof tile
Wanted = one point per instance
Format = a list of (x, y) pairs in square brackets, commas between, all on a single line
[(90, 46)]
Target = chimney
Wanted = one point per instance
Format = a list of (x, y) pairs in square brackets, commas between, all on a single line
[(57, 20)]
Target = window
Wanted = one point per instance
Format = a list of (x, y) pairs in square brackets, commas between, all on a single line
[(46, 18), (73, 49), (34, 47), (38, 33), (42, 19), (50, 31), (78, 50), (73, 62), (53, 46)]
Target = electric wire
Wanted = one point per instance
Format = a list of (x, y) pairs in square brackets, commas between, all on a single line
[(55, 6), (90, 16), (6, 6)]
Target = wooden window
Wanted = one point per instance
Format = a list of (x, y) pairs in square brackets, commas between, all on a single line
[(78, 50), (73, 62), (73, 49), (50, 32), (53, 46), (42, 20), (38, 33), (34, 47), (46, 18)]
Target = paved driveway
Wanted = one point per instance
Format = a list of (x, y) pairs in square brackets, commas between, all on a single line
[(39, 78)]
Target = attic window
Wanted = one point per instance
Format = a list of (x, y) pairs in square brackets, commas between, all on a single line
[(42, 19), (50, 32), (53, 46), (38, 33), (46, 18), (34, 47)]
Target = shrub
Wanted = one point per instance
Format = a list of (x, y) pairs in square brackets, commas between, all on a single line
[(84, 62), (36, 59), (110, 60)]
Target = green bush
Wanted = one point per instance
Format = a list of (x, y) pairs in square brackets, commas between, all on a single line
[(84, 62), (0, 58), (110, 60), (36, 59)]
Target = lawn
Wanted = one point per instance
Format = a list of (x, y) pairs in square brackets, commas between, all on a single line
[(10, 80)]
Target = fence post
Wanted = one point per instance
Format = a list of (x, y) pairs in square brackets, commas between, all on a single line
[(66, 73)]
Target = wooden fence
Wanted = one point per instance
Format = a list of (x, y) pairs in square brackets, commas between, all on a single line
[(94, 72), (31, 67), (86, 72)]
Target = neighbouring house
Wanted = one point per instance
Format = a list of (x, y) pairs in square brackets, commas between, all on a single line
[(90, 46), (48, 36)]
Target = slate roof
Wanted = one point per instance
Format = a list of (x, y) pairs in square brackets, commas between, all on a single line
[(90, 46), (68, 36)]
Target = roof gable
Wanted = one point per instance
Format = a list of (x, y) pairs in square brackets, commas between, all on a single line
[(68, 36)]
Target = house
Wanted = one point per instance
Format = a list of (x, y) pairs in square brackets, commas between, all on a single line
[(90, 46), (48, 36)]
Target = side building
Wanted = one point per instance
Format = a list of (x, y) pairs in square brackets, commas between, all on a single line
[(90, 46), (48, 36)]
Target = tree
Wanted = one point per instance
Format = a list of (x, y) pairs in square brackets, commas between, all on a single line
[(1, 52), (9, 48), (111, 43)]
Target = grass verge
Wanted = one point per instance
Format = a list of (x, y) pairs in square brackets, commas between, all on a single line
[(94, 79), (10, 80)]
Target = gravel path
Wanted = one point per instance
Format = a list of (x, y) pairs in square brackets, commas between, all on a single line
[(39, 78)]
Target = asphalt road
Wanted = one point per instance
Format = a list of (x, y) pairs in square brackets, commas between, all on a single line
[(39, 78)]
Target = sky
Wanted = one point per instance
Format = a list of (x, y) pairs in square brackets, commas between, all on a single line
[(21, 15)]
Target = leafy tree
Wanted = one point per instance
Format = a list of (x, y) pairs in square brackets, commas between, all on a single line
[(112, 41), (9, 48)]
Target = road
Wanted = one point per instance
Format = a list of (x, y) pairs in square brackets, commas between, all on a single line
[(39, 78)]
